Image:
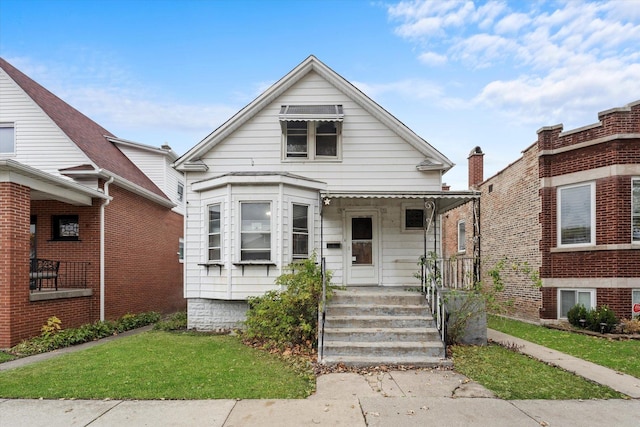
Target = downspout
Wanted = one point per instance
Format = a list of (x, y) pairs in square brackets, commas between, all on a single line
[(106, 202)]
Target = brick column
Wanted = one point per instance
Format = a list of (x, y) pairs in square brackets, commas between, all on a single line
[(14, 259)]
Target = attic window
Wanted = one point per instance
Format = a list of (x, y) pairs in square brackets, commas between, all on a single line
[(311, 132)]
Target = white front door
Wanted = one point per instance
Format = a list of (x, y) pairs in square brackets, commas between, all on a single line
[(362, 248)]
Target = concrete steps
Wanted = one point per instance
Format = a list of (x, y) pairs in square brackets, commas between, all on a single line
[(376, 326)]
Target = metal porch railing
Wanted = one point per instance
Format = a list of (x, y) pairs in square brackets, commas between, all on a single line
[(53, 274), (438, 275)]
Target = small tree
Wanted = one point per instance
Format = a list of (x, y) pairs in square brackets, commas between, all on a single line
[(289, 317)]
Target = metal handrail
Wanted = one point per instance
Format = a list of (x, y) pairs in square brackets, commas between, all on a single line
[(69, 275), (433, 293), (323, 309)]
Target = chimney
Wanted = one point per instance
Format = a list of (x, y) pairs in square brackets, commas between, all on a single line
[(445, 187), (476, 164)]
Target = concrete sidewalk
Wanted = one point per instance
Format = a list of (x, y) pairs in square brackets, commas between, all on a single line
[(618, 381), (397, 398)]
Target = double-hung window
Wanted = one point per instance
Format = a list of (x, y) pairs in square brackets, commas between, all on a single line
[(214, 234), (300, 232), (571, 297), (311, 132), (7, 139), (255, 231), (635, 210), (576, 215)]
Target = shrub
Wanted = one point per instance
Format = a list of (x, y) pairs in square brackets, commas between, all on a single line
[(630, 326), (289, 317), (53, 337), (576, 313), (175, 322), (597, 320)]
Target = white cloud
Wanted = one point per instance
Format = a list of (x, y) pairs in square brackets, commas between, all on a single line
[(555, 61), (432, 58), (512, 23)]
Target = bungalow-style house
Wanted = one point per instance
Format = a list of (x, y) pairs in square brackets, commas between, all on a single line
[(90, 224), (569, 208), (312, 165)]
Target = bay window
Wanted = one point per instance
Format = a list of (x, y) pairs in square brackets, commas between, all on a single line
[(214, 233), (300, 233), (255, 231)]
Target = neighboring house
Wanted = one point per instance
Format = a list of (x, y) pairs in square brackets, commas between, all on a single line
[(570, 208), (84, 233), (311, 165)]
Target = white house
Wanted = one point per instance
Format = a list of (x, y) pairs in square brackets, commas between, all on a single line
[(311, 165)]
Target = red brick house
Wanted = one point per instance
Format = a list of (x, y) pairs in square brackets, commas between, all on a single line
[(570, 208), (84, 233)]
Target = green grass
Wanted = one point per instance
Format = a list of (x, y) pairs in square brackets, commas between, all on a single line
[(4, 357), (620, 355), (511, 375), (161, 365)]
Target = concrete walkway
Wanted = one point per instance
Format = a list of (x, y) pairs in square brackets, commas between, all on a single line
[(397, 398), (623, 383)]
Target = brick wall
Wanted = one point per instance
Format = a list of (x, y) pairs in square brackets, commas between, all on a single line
[(510, 228), (14, 261), (612, 143), (142, 270)]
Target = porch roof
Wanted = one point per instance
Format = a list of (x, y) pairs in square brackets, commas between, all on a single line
[(445, 200), (45, 186)]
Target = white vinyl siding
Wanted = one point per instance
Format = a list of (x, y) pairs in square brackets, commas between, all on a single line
[(39, 142), (366, 147), (635, 210), (576, 215), (567, 298)]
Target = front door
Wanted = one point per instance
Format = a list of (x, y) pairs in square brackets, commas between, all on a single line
[(362, 248)]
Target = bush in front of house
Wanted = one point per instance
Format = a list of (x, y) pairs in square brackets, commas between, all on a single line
[(174, 322), (597, 320), (54, 336), (289, 317)]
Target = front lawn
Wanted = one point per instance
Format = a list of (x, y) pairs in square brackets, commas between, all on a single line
[(161, 365), (511, 375), (620, 355)]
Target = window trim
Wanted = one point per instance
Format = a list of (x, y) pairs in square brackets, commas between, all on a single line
[(308, 232), (634, 301), (55, 228), (181, 250), (463, 248), (592, 301), (180, 192), (12, 126), (208, 234), (635, 231), (592, 215), (411, 206), (240, 232), (312, 143)]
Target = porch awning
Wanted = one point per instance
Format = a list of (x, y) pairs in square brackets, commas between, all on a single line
[(332, 113), (445, 200), (45, 186)]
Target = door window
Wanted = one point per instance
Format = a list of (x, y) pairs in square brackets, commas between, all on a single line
[(362, 241)]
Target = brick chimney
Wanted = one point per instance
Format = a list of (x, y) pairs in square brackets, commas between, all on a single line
[(476, 164)]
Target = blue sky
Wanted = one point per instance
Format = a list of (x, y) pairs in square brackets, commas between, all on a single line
[(460, 74)]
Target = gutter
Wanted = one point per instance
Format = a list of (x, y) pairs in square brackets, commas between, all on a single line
[(102, 208)]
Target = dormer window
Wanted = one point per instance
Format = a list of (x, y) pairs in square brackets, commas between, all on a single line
[(311, 132)]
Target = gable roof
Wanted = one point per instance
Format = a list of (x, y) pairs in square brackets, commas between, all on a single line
[(89, 136), (190, 160)]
